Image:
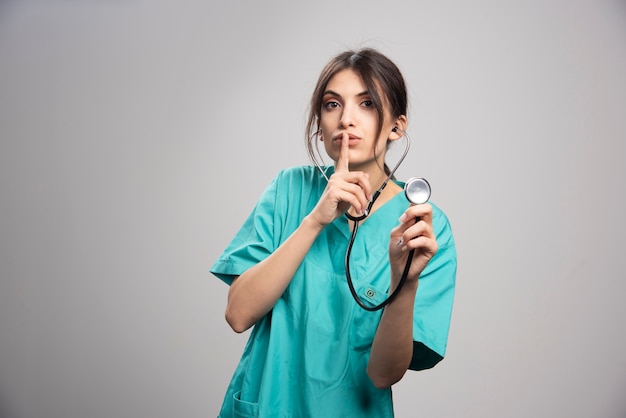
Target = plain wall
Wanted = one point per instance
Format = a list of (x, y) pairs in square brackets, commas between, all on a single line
[(137, 135)]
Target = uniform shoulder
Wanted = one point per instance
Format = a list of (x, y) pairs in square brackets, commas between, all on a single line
[(302, 173), (442, 226), (299, 170)]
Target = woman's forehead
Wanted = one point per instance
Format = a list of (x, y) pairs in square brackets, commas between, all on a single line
[(346, 78)]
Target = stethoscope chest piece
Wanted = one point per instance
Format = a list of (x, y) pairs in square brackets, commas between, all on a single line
[(417, 190)]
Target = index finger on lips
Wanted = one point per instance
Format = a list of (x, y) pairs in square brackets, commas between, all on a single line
[(343, 161)]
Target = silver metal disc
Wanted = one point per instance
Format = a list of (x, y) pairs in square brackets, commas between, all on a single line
[(417, 190)]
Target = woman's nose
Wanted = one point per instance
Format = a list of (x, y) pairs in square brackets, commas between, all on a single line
[(347, 116)]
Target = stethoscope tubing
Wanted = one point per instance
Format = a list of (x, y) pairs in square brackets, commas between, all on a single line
[(355, 295), (356, 220)]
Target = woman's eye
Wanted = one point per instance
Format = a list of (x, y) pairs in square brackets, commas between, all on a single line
[(368, 103), (331, 105)]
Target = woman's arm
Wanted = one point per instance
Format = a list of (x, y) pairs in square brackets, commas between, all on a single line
[(254, 293), (392, 348)]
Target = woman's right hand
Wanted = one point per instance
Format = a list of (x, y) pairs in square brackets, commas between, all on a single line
[(345, 188)]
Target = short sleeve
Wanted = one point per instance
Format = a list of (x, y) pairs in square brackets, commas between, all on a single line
[(434, 298), (255, 240)]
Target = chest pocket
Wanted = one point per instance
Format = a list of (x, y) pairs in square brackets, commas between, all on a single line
[(364, 323)]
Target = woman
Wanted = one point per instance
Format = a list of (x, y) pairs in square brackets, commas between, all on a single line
[(313, 352)]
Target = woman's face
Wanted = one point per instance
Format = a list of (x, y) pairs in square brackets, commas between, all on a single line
[(347, 107)]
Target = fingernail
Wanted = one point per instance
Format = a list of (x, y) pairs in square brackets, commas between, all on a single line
[(400, 242), (402, 218)]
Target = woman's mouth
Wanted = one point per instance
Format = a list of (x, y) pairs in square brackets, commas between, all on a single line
[(352, 139)]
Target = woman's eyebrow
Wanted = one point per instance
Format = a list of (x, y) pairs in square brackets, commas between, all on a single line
[(334, 93)]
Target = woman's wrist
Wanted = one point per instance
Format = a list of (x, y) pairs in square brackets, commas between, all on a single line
[(309, 222)]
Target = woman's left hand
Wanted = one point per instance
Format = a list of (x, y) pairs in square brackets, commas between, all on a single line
[(415, 232)]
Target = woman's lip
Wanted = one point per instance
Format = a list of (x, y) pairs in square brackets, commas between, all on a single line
[(351, 138)]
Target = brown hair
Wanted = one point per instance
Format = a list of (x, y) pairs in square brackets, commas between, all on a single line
[(380, 75)]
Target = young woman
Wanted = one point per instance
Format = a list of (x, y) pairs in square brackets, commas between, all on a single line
[(313, 351)]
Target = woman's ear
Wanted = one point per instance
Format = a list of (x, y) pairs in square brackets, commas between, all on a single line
[(398, 128)]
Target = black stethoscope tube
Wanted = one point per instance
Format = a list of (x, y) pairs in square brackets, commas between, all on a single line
[(356, 297), (417, 191)]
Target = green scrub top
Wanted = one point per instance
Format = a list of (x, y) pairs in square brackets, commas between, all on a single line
[(308, 356)]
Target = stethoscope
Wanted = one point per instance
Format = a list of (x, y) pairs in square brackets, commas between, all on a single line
[(417, 191)]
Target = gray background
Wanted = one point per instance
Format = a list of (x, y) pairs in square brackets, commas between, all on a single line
[(136, 136)]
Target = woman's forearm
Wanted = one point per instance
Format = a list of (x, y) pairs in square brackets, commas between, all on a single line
[(254, 293), (392, 348)]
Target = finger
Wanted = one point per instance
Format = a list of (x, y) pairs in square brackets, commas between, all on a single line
[(353, 200), (420, 230), (415, 222), (361, 180), (422, 243), (399, 235), (343, 161), (425, 244), (423, 212), (346, 184), (358, 190)]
